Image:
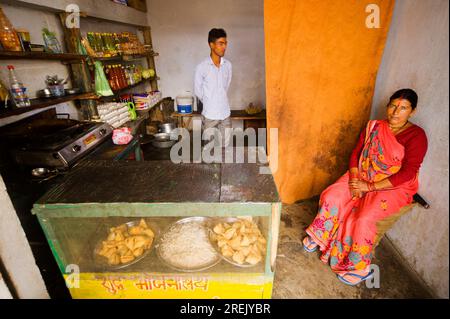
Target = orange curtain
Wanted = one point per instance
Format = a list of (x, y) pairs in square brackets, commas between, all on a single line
[(321, 67)]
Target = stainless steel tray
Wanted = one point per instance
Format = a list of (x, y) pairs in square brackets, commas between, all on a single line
[(102, 262), (216, 221)]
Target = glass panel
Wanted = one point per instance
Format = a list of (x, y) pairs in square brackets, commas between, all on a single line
[(76, 239)]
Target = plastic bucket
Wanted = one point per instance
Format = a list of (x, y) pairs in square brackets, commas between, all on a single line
[(184, 104)]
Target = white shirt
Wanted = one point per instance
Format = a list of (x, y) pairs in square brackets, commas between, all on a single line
[(211, 85)]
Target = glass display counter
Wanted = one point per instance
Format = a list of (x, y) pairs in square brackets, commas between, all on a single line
[(77, 216)]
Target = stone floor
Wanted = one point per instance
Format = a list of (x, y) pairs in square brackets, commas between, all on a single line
[(300, 274)]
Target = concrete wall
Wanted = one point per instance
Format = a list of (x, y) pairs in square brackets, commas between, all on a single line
[(102, 9), (416, 56), (35, 15), (16, 255), (4, 291), (180, 32), (32, 73)]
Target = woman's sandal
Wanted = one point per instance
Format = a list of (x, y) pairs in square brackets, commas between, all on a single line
[(361, 278), (309, 245)]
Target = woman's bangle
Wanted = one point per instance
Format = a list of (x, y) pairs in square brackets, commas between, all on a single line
[(371, 187), (354, 175)]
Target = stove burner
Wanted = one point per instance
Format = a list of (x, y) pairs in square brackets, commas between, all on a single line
[(55, 142)]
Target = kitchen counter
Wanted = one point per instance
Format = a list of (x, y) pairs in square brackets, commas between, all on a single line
[(162, 181)]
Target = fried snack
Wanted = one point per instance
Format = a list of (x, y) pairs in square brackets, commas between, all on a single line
[(238, 257), (245, 250), (124, 244), (240, 241), (227, 251), (114, 259), (219, 229), (229, 233), (253, 259)]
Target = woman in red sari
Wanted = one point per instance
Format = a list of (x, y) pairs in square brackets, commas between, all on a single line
[(382, 178)]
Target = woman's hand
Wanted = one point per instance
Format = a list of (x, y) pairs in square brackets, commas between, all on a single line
[(356, 192), (359, 185), (353, 182)]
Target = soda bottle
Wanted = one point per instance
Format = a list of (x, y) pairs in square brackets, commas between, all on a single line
[(18, 90)]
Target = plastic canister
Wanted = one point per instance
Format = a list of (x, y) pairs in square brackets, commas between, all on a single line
[(184, 103)]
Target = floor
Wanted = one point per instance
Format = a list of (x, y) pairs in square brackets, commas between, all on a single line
[(301, 275)]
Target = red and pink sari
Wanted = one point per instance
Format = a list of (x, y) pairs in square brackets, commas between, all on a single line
[(346, 229)]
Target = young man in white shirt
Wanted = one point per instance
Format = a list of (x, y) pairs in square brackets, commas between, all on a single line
[(212, 80)]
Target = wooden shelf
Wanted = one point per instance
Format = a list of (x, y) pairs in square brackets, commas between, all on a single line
[(118, 92), (235, 115), (40, 103), (12, 55), (126, 58)]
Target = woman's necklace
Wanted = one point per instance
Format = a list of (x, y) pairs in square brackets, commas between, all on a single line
[(398, 129)]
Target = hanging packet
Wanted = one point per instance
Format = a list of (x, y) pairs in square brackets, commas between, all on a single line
[(102, 87)]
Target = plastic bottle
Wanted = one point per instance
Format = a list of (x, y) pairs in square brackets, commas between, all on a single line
[(114, 78), (129, 74), (4, 96), (91, 40), (117, 43), (136, 74), (98, 40), (117, 77), (112, 44), (18, 90), (123, 75), (109, 76)]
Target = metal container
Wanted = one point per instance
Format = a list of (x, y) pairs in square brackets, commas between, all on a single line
[(162, 140), (229, 220), (101, 262), (166, 127), (72, 91), (44, 93)]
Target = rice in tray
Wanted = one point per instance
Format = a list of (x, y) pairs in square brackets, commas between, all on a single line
[(186, 245)]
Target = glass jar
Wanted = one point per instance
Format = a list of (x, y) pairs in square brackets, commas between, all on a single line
[(8, 36)]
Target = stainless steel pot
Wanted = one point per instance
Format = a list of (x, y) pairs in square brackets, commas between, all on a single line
[(44, 93), (166, 127), (162, 140)]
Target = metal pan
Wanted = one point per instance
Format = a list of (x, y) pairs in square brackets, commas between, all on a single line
[(162, 140), (214, 243), (102, 262)]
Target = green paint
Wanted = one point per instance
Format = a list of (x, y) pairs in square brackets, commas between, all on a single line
[(53, 243), (45, 212), (152, 209)]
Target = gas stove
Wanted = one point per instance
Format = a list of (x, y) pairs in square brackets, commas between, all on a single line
[(55, 143)]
